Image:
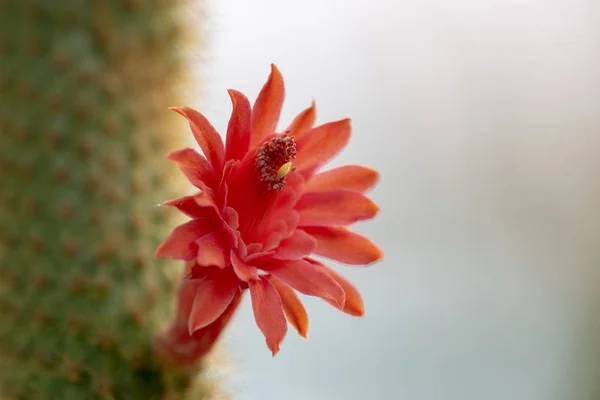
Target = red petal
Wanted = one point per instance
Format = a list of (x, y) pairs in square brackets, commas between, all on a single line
[(303, 122), (184, 350), (190, 207), (268, 312), (206, 136), (354, 302), (267, 107), (205, 201), (180, 244), (340, 244), (306, 278), (321, 144), (254, 248), (352, 177), (272, 240), (263, 255), (299, 245), (292, 307), (334, 207), (207, 336), (211, 251), (284, 222), (287, 198), (185, 299), (213, 295), (195, 167), (231, 218), (243, 271), (238, 130)]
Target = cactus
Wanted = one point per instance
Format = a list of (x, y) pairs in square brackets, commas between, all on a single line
[(84, 128)]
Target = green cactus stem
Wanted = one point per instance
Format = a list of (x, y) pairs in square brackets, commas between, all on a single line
[(84, 129)]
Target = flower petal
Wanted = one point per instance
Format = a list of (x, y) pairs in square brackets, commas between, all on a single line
[(213, 295), (266, 110), (306, 278), (292, 307), (299, 245), (183, 350), (190, 207), (205, 201), (303, 122), (354, 303), (180, 245), (185, 298), (320, 145), (211, 251), (207, 336), (351, 177), (254, 248), (195, 167), (238, 130), (268, 312), (334, 207), (231, 217), (243, 271), (206, 136), (340, 244)]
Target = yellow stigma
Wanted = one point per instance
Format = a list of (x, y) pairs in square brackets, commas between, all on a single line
[(284, 170)]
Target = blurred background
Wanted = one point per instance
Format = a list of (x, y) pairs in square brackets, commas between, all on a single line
[(483, 118)]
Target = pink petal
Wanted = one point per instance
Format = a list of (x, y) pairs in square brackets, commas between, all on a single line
[(266, 110), (238, 130), (180, 244), (340, 244), (303, 122), (211, 251), (306, 278), (268, 312), (352, 177), (243, 271), (354, 303), (320, 145), (213, 295), (206, 136), (195, 167), (299, 245), (334, 207), (292, 307)]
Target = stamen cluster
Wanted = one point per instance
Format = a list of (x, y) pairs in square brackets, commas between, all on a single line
[(271, 156)]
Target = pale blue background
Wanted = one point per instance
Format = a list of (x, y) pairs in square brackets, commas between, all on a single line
[(483, 118)]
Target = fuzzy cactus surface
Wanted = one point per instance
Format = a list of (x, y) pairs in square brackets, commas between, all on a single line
[(84, 128)]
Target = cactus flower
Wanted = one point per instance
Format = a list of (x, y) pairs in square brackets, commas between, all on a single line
[(262, 211)]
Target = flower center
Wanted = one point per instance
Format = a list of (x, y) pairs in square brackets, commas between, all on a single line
[(273, 161), (254, 190)]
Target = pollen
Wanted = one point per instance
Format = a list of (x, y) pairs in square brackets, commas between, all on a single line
[(273, 161)]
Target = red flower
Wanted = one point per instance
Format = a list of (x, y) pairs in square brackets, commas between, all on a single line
[(262, 211)]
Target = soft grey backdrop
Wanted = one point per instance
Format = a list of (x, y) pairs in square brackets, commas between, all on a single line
[(483, 118)]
